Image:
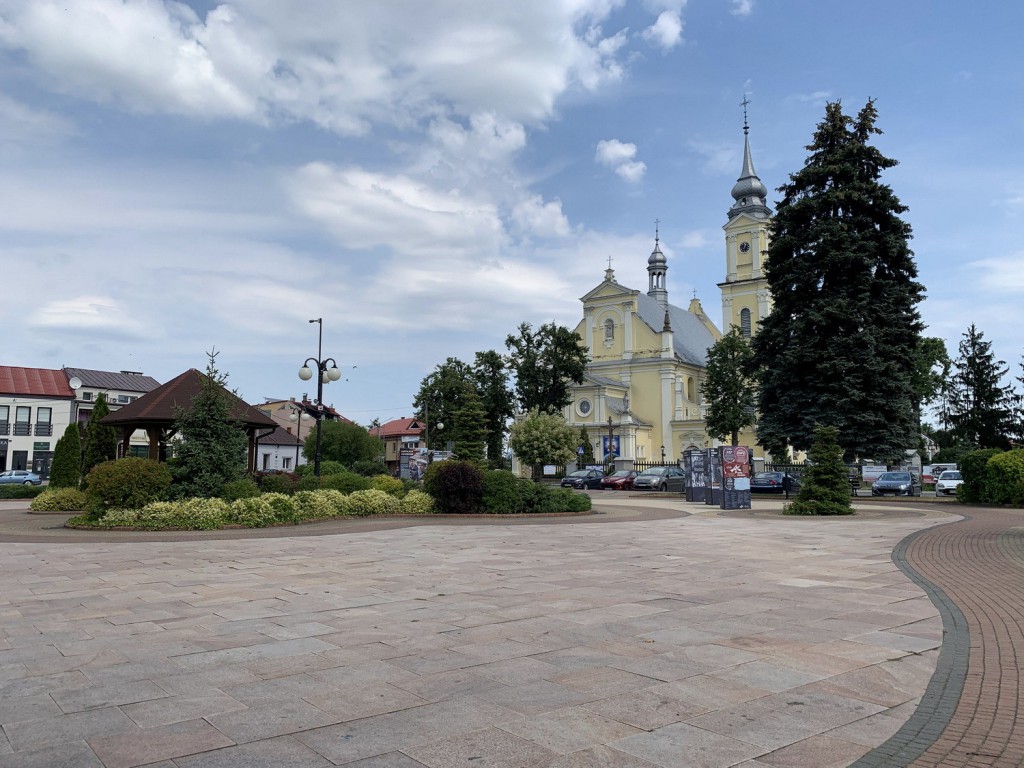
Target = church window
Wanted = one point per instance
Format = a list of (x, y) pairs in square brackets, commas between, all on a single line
[(689, 389), (745, 323), (609, 329)]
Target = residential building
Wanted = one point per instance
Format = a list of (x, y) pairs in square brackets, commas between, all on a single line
[(279, 451), (120, 389), (36, 406), (399, 435)]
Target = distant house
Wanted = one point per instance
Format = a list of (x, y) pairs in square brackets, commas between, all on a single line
[(36, 406), (120, 389), (279, 452), (298, 418), (398, 435)]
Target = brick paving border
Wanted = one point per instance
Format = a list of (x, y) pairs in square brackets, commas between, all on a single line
[(972, 713)]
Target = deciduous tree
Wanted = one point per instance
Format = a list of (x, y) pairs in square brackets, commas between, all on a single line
[(546, 362), (729, 391), (543, 438)]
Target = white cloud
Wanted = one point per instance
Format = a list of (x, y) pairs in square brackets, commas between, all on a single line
[(667, 32), (1000, 275), (20, 123), (86, 314), (719, 156), (620, 157), (533, 216), (742, 7)]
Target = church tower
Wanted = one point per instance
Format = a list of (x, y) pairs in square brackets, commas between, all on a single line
[(657, 267), (745, 296)]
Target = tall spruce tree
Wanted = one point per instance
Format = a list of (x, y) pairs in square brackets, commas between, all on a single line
[(100, 441), (728, 390), (65, 471), (840, 344), (469, 430), (980, 407)]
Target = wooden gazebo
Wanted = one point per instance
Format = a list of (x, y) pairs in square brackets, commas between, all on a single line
[(156, 413)]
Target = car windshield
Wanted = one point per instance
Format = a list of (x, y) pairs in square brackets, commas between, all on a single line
[(622, 473), (950, 476), (768, 476), (895, 477), (580, 473), (653, 471)]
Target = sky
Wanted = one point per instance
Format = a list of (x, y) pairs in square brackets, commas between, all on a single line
[(178, 178)]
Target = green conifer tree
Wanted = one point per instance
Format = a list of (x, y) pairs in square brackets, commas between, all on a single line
[(840, 344), (100, 440), (67, 459), (980, 407), (825, 485), (469, 429)]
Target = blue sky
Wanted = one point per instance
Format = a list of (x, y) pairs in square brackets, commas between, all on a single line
[(425, 176)]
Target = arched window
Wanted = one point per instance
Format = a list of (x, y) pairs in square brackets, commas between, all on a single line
[(609, 329), (689, 389), (745, 323)]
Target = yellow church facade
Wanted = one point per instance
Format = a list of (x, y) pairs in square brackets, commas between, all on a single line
[(641, 399)]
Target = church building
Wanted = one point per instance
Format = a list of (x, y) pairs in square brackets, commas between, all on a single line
[(641, 399)]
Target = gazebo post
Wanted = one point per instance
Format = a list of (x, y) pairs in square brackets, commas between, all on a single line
[(154, 442), (126, 441)]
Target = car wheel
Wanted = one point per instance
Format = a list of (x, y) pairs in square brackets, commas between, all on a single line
[(27, 482), (663, 487)]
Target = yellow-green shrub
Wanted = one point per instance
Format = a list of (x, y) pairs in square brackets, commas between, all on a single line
[(59, 500), (417, 503), (373, 502)]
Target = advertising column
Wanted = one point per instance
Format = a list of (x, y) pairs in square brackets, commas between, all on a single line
[(735, 463), (713, 469), (696, 477)]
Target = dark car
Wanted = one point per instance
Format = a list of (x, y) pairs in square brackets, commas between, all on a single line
[(619, 481), (660, 479), (21, 477), (772, 482), (896, 483), (583, 478)]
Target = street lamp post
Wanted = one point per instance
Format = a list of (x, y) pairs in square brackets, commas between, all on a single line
[(663, 454), (325, 375)]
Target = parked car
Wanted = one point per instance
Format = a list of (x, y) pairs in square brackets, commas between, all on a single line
[(660, 479), (583, 478), (20, 476), (619, 481), (773, 482), (896, 483), (948, 482)]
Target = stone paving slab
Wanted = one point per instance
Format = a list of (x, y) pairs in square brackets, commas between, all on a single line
[(666, 639)]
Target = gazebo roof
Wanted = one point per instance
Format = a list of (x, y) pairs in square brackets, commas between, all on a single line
[(160, 406)]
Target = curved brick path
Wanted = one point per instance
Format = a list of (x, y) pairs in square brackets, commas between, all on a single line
[(973, 711)]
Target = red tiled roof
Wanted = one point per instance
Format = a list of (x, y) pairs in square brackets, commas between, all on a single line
[(38, 382), (398, 427)]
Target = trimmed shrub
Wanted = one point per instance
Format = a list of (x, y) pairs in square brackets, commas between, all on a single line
[(570, 501), (1004, 478), (20, 491), (245, 488), (417, 503), (66, 469), (346, 482), (373, 502), (277, 482), (501, 493), (388, 484), (196, 514), (456, 486), (59, 500), (328, 468), (128, 483), (974, 470), (367, 468), (256, 511), (320, 505)]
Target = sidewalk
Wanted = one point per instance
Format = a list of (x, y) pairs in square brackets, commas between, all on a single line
[(659, 640)]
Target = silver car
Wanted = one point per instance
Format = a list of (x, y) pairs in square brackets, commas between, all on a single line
[(660, 479), (20, 476)]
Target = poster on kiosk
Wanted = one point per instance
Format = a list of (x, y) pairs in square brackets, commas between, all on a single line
[(735, 464), (713, 475), (696, 477)]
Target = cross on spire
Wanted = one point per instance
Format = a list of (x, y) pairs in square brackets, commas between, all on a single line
[(609, 261), (746, 128), (657, 223)]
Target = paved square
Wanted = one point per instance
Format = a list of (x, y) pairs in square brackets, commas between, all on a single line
[(696, 641)]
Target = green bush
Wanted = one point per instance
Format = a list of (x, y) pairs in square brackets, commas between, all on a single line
[(388, 484), (66, 468), (368, 468), (346, 482), (128, 483), (373, 502), (1004, 478), (417, 503), (20, 491), (502, 495), (245, 488), (277, 482), (974, 470), (320, 505), (59, 500), (456, 486), (570, 501), (261, 511), (195, 514)]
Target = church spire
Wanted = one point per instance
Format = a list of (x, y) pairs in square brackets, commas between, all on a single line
[(749, 191), (657, 267)]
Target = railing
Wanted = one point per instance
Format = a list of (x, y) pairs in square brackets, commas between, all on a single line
[(5, 428), (44, 430), (22, 428)]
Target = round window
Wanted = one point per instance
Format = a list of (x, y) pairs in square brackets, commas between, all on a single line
[(583, 406)]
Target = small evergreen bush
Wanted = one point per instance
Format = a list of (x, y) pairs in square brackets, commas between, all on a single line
[(128, 483), (456, 486), (388, 484), (825, 486), (367, 468), (373, 502), (20, 491), (67, 499), (1004, 478), (502, 495), (245, 488), (66, 469), (417, 503)]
